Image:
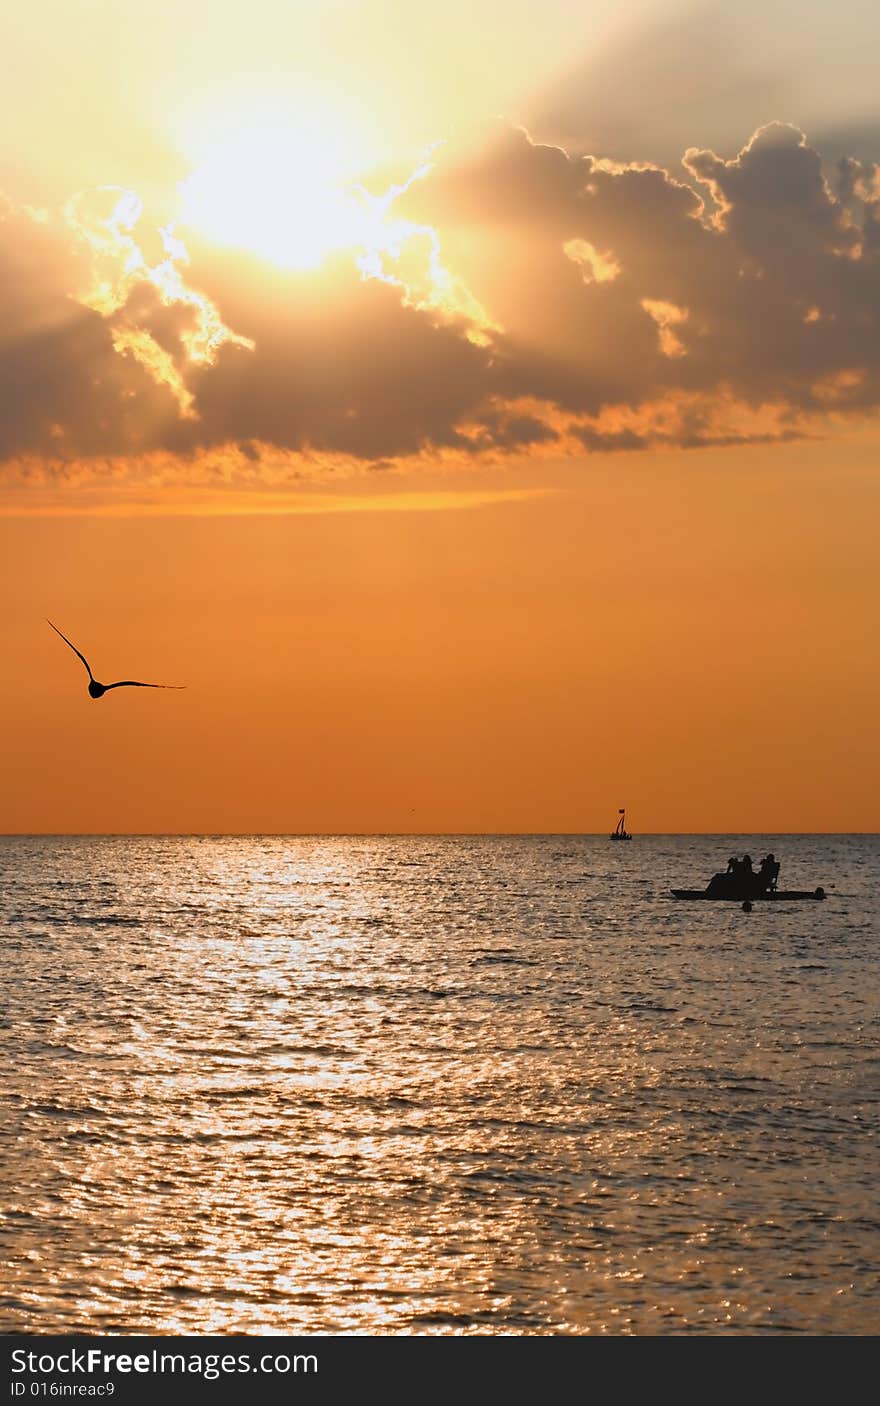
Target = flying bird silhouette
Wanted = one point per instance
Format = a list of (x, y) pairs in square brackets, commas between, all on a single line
[(97, 690)]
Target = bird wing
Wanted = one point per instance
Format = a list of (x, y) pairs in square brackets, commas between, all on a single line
[(74, 648), (135, 683)]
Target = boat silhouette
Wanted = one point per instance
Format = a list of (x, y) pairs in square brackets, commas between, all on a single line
[(740, 883), (620, 831), (777, 896)]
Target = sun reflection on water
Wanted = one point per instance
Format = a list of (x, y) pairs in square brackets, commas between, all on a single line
[(427, 1086)]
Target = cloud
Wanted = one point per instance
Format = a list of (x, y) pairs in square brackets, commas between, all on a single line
[(64, 390), (756, 280), (516, 299)]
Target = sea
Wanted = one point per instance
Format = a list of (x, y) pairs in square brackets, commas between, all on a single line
[(378, 1085)]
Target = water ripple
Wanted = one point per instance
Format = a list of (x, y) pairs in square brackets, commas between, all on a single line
[(439, 1085)]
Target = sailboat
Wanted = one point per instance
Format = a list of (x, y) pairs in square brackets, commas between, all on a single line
[(620, 831)]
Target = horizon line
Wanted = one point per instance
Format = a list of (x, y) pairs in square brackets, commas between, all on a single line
[(401, 834)]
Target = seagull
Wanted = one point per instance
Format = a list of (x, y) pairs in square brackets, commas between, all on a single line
[(97, 690)]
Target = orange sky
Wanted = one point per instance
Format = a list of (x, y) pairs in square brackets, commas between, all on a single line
[(543, 489), (700, 655)]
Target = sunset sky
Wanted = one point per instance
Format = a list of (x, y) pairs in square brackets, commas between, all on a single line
[(474, 405)]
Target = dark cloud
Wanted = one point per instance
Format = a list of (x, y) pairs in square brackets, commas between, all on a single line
[(65, 391), (340, 365), (771, 293), (627, 309)]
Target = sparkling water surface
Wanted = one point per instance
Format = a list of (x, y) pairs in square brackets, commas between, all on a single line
[(436, 1085)]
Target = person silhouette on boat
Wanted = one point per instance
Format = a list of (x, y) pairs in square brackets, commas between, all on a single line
[(768, 873), (740, 875), (722, 882), (740, 878), (740, 870)]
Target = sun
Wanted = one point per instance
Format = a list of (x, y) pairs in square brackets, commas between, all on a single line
[(279, 179)]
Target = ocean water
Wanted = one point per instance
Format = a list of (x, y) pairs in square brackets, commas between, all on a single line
[(436, 1085)]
